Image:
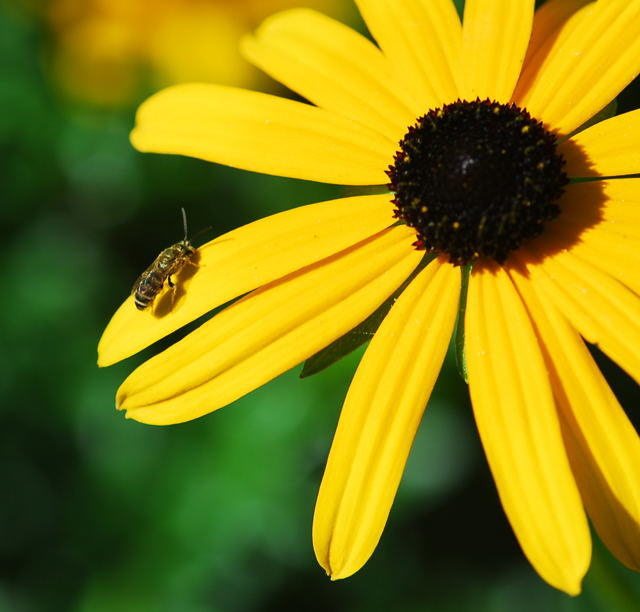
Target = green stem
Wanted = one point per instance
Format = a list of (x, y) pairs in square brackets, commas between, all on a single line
[(461, 359)]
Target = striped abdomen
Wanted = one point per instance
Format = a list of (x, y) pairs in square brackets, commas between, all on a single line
[(149, 285)]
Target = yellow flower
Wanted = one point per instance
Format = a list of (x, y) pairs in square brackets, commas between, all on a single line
[(106, 48), (477, 181)]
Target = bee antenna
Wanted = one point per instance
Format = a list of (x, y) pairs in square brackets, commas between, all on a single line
[(184, 222)]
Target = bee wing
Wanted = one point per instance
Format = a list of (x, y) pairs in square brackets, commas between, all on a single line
[(140, 278)]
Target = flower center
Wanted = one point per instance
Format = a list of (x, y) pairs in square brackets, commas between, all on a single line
[(477, 179)]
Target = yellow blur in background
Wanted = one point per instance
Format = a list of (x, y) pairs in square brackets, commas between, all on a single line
[(107, 51)]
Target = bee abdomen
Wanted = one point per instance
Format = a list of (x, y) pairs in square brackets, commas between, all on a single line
[(147, 290), (142, 301)]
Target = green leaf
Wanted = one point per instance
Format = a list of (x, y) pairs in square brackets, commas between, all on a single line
[(360, 334), (458, 336)]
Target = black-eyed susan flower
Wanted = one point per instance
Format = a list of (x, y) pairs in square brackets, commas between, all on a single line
[(476, 130)]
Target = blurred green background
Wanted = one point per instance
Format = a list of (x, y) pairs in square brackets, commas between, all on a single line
[(101, 514)]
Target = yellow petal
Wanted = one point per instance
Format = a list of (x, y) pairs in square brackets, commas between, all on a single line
[(332, 66), (603, 446), (547, 22), (242, 260), (612, 205), (520, 432), (268, 332), (379, 420), (602, 309), (612, 254), (609, 148), (547, 44), (422, 40), (595, 56), (610, 210), (262, 133), (496, 35)]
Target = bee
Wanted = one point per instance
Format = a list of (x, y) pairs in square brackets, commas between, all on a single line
[(169, 262)]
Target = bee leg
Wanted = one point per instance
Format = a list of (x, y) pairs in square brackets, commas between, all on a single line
[(173, 290)]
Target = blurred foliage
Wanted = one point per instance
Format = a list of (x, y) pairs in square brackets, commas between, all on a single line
[(103, 514)]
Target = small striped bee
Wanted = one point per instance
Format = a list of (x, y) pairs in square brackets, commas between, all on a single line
[(169, 262)]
